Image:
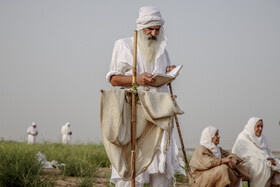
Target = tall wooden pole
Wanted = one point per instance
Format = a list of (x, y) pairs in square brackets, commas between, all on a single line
[(181, 139), (133, 120)]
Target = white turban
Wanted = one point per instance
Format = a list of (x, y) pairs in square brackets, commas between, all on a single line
[(149, 16), (206, 140), (33, 123)]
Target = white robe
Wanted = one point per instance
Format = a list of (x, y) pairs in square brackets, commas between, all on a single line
[(66, 137), (255, 157), (122, 61), (31, 138), (121, 64)]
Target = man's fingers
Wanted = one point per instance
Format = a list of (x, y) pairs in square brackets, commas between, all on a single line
[(148, 75), (170, 68), (145, 79), (149, 80)]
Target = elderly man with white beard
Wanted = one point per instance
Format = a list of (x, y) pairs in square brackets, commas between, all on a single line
[(152, 58)]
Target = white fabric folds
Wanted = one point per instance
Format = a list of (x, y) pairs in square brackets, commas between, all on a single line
[(255, 151), (206, 140), (149, 16), (154, 113)]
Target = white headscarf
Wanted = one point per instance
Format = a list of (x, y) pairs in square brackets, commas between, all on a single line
[(249, 129), (206, 140), (149, 16)]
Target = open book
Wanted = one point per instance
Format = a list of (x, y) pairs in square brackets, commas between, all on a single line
[(162, 79)]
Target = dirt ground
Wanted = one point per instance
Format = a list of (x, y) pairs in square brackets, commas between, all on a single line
[(102, 178)]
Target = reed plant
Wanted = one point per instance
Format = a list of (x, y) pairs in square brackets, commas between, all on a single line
[(80, 160), (20, 167)]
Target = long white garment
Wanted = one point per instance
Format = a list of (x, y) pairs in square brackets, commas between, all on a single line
[(66, 137), (255, 151), (31, 138), (121, 64), (155, 180)]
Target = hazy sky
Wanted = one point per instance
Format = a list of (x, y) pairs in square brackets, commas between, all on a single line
[(54, 56)]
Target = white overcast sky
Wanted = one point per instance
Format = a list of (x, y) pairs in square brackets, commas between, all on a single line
[(54, 55)]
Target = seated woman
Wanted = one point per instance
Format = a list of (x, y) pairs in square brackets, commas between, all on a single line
[(214, 167), (252, 146)]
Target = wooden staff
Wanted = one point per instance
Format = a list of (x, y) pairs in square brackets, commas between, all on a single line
[(133, 120), (181, 139)]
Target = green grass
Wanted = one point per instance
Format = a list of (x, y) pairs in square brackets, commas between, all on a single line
[(244, 184), (80, 160), (19, 165)]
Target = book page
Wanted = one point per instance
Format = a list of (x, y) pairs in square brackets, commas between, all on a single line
[(162, 79), (175, 71)]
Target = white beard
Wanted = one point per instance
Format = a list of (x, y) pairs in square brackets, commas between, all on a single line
[(148, 48)]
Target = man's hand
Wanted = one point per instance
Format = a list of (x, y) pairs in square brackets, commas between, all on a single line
[(170, 68), (144, 79), (273, 162)]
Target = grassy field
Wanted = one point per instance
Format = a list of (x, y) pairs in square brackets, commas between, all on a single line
[(85, 165), (20, 167)]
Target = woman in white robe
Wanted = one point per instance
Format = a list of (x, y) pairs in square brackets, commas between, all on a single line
[(252, 146)]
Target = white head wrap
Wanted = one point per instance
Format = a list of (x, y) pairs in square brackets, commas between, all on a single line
[(67, 124), (249, 129), (149, 16), (206, 140), (33, 123)]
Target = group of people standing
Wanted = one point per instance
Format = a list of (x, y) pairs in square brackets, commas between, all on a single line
[(32, 132), (251, 158)]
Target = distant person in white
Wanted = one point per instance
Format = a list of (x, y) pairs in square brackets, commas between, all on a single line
[(32, 133), (66, 133), (252, 146)]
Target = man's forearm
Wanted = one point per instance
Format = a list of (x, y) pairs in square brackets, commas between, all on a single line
[(121, 80)]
